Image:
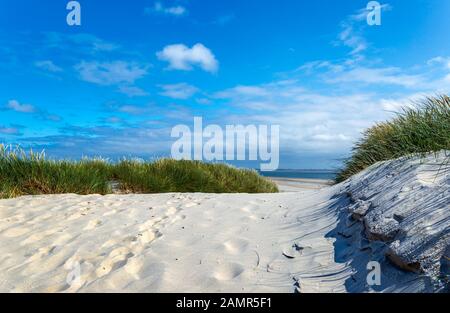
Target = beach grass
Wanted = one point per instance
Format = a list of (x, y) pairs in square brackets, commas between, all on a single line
[(422, 128), (30, 173)]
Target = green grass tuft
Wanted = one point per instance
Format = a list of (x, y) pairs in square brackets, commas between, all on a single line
[(31, 173), (417, 130)]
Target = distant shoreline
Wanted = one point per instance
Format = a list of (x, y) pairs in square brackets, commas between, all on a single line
[(301, 174), (297, 184)]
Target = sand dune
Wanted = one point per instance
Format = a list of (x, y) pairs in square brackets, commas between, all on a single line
[(299, 241)]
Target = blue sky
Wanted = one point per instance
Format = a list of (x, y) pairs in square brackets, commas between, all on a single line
[(116, 85)]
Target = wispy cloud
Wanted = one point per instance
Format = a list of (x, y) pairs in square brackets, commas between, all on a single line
[(340, 100), (83, 42), (134, 109), (397, 104), (440, 60), (179, 91), (352, 28), (243, 91), (18, 107), (48, 65), (181, 57), (224, 19), (381, 76), (424, 77), (352, 39), (113, 120), (12, 131), (133, 91), (110, 73), (177, 10), (310, 121), (14, 105)]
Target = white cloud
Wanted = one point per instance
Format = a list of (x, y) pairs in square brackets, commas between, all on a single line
[(114, 120), (242, 91), (204, 101), (160, 8), (224, 19), (111, 73), (440, 60), (310, 121), (447, 78), (361, 15), (250, 91), (133, 109), (181, 57), (309, 67), (179, 91), (351, 33), (329, 137), (81, 42), (48, 65), (132, 91), (9, 130), (352, 39), (384, 76), (18, 107), (344, 98), (396, 104)]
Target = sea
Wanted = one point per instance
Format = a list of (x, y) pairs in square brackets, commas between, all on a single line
[(307, 174)]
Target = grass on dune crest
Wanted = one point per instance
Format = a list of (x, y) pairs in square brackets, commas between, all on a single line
[(31, 173), (417, 130)]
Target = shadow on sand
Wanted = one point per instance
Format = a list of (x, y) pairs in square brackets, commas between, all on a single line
[(352, 247)]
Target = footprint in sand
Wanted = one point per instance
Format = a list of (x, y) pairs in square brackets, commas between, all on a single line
[(173, 201), (111, 212), (43, 217), (292, 251), (116, 259), (228, 271), (134, 265), (148, 236), (236, 246), (38, 236), (172, 210), (191, 204), (119, 251), (112, 242), (249, 208), (42, 253), (75, 216), (249, 218), (93, 224), (178, 218), (15, 219)]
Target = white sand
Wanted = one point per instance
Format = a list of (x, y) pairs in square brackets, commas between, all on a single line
[(168, 242), (183, 243)]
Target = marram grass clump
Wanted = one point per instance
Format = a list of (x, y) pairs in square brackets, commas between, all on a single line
[(31, 173), (423, 128)]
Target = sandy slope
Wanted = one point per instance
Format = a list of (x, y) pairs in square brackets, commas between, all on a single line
[(399, 214), (303, 241)]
